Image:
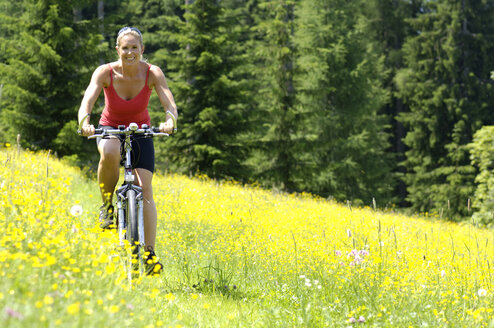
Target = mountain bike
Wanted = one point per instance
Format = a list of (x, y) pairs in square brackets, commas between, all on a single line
[(129, 204)]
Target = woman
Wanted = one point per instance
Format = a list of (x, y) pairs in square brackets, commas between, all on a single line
[(127, 85)]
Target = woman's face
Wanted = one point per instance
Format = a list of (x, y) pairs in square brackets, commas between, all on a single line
[(129, 49)]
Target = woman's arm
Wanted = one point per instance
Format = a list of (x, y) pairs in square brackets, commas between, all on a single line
[(158, 81), (90, 96)]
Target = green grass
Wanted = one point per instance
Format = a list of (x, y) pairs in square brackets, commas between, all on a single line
[(234, 257)]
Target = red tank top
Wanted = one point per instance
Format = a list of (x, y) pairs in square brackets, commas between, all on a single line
[(119, 111)]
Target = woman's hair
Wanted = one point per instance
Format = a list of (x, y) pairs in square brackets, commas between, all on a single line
[(130, 30)]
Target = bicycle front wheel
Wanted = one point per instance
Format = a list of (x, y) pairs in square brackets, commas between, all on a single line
[(132, 228)]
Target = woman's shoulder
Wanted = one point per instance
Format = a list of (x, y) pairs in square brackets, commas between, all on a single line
[(103, 72), (155, 70), (105, 68)]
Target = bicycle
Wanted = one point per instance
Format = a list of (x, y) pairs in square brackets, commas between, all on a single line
[(129, 204)]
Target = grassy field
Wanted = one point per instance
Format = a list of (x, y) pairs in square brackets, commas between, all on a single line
[(234, 257)]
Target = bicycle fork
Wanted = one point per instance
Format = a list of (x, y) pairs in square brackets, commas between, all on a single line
[(121, 207)]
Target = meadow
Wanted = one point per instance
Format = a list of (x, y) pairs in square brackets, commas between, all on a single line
[(234, 256)]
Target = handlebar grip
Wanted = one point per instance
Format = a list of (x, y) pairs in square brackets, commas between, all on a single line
[(155, 129), (98, 131)]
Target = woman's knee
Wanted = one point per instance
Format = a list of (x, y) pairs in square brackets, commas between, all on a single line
[(109, 152), (144, 179)]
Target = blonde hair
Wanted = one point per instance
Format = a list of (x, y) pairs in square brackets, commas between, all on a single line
[(130, 30)]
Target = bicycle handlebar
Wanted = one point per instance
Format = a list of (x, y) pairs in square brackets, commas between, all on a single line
[(132, 129)]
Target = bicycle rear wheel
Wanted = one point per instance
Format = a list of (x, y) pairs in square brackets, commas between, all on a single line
[(133, 231)]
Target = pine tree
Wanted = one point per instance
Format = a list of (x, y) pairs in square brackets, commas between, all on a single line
[(45, 56), (386, 22), (274, 118), (340, 96), (444, 85), (207, 93)]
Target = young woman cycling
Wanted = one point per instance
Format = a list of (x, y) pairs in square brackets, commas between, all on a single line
[(127, 85)]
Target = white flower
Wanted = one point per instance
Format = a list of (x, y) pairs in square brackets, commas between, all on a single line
[(482, 292), (76, 210)]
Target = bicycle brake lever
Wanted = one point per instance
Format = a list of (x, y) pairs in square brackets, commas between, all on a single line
[(98, 133)]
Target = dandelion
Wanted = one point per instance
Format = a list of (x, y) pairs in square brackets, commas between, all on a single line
[(48, 299), (155, 292), (482, 292), (74, 308), (114, 309), (170, 297), (76, 210)]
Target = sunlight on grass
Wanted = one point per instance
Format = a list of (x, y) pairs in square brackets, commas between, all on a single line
[(233, 256)]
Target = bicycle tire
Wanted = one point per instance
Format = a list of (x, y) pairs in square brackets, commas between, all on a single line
[(132, 225)]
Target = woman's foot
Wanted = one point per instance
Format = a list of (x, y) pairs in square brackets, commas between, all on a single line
[(153, 266)]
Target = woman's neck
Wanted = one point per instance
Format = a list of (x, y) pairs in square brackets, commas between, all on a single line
[(130, 70)]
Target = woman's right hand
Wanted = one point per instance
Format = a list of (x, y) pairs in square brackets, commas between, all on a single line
[(87, 130)]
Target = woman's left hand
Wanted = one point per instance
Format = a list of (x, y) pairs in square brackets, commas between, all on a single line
[(167, 127)]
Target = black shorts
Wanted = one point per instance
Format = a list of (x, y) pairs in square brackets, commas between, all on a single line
[(142, 154)]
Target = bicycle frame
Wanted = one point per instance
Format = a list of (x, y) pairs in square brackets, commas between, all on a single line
[(121, 193)]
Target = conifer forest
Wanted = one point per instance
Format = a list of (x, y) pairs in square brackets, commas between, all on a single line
[(386, 103)]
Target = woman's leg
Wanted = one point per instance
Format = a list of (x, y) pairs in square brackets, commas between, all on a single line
[(144, 179), (108, 168)]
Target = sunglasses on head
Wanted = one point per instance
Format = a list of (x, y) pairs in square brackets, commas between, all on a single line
[(126, 28)]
